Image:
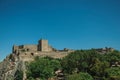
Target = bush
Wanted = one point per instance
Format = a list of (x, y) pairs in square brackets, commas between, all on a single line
[(43, 68), (18, 75), (80, 76)]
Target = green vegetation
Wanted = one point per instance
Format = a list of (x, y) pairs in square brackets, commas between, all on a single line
[(43, 68), (79, 65), (80, 76), (18, 75), (114, 73)]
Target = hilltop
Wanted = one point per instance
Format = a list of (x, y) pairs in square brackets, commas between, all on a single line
[(26, 53), (21, 54)]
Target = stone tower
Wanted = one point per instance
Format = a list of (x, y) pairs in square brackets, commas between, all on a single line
[(43, 45)]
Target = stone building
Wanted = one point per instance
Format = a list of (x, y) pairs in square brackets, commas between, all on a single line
[(42, 49), (42, 46)]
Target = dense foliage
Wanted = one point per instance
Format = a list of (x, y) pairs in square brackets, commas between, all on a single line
[(43, 68), (90, 61), (79, 65), (80, 76)]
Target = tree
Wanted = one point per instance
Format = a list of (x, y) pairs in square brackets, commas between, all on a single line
[(80, 76), (98, 69), (113, 56), (81, 59), (43, 68), (113, 73)]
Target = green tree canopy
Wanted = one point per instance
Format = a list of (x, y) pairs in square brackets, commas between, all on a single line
[(81, 59), (80, 76), (114, 73), (43, 68)]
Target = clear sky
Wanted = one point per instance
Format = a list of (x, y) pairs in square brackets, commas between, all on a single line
[(75, 24)]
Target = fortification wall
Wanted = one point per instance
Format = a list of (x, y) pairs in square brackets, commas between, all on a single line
[(28, 56), (30, 47), (24, 48), (50, 48)]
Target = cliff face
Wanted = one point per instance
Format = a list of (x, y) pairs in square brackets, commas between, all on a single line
[(9, 67)]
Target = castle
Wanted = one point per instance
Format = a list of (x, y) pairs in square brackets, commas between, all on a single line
[(28, 52), (42, 49), (42, 46)]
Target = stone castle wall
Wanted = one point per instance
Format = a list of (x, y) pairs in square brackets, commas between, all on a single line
[(41, 46), (29, 56), (28, 52), (24, 48), (31, 47)]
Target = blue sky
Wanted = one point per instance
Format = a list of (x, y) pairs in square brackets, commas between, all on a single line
[(75, 24)]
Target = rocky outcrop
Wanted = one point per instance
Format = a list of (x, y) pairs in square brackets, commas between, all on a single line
[(9, 67)]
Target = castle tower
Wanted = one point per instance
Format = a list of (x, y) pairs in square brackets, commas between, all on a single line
[(43, 45)]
